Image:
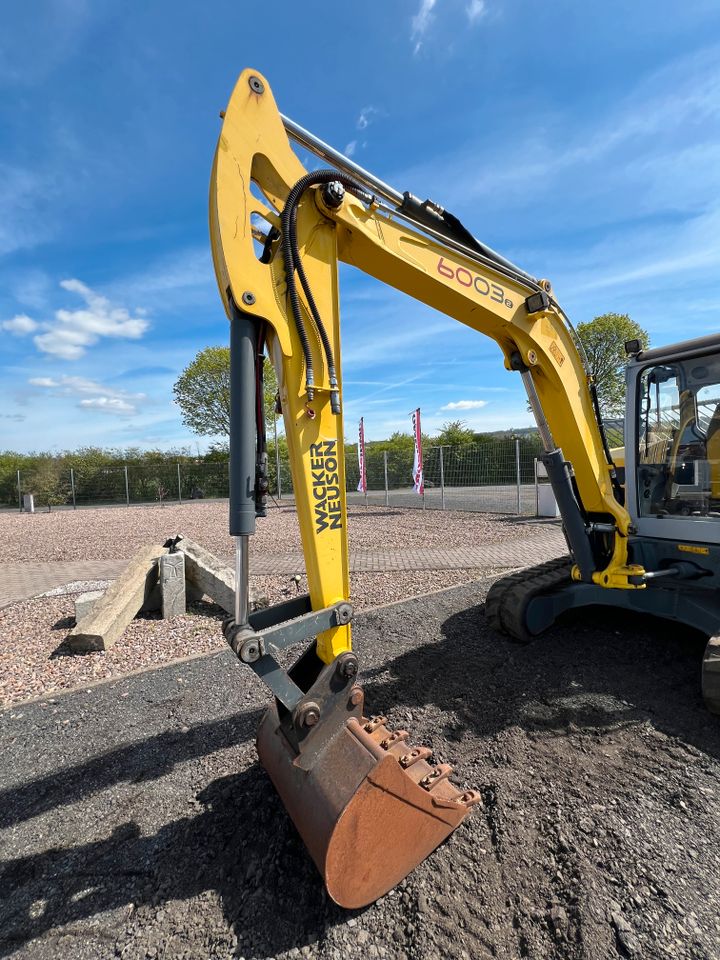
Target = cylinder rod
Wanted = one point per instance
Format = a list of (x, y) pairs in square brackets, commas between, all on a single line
[(243, 437), (536, 407), (323, 150), (242, 580), (336, 159)]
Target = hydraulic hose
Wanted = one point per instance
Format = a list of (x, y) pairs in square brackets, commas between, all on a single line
[(327, 346), (293, 264), (580, 346), (616, 485)]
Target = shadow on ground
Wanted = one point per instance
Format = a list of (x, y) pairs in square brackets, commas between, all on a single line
[(236, 842), (241, 846), (595, 669)]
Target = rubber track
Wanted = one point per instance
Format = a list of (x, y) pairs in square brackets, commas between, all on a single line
[(508, 598)]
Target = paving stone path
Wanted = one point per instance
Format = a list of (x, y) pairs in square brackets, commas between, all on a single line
[(21, 580)]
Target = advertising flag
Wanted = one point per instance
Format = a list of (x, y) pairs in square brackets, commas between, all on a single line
[(362, 485), (418, 482)]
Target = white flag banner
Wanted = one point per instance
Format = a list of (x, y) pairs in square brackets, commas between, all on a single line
[(418, 482), (362, 485)]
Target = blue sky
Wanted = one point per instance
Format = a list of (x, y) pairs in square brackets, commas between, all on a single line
[(580, 140)]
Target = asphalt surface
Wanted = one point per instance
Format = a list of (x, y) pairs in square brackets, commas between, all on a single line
[(136, 822)]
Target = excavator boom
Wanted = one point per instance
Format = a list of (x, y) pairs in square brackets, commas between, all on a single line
[(368, 806)]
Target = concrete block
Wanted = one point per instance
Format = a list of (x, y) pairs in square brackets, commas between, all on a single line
[(84, 603), (172, 584), (207, 574), (112, 612)]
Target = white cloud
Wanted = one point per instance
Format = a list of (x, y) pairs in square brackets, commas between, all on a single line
[(365, 118), (96, 396), (351, 148), (19, 325), (112, 405), (475, 9), (421, 22), (43, 382), (183, 278), (465, 405), (73, 331), (387, 346)]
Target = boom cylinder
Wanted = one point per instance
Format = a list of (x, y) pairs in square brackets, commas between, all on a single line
[(242, 451), (560, 477), (242, 424)]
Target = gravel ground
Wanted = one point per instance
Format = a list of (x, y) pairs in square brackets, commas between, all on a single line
[(109, 534), (136, 822), (35, 660)]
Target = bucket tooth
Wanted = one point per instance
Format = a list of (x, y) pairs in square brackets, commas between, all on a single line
[(469, 798), (438, 773), (371, 725), (396, 737), (417, 753)]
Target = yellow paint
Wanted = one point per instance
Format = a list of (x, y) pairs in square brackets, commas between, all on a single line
[(253, 146), (694, 548), (557, 353)]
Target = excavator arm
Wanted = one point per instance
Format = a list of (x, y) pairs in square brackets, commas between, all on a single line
[(278, 234)]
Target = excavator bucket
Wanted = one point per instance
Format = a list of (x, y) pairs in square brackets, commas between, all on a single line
[(368, 806)]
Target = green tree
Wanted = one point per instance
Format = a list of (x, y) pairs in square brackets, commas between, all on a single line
[(202, 391), (455, 433), (604, 340), (48, 484)]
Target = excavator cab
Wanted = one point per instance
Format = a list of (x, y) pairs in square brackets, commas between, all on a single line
[(677, 430)]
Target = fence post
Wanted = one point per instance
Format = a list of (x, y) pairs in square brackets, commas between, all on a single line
[(19, 492), (442, 480), (179, 486), (72, 486), (127, 487), (517, 473), (387, 494), (537, 504)]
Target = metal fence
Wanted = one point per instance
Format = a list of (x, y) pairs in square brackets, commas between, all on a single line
[(495, 477)]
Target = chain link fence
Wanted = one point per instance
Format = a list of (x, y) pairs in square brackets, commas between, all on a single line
[(494, 477)]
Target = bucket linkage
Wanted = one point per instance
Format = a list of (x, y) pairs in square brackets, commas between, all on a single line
[(369, 806)]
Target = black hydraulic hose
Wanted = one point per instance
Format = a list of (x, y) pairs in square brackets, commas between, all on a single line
[(327, 346), (293, 296), (292, 263), (580, 346), (616, 485)]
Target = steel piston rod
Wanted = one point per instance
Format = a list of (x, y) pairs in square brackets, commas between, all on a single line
[(325, 152), (242, 580)]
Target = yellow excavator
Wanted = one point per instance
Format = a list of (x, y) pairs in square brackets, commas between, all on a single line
[(369, 805)]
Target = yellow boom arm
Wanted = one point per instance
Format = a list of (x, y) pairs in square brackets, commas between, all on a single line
[(253, 148)]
